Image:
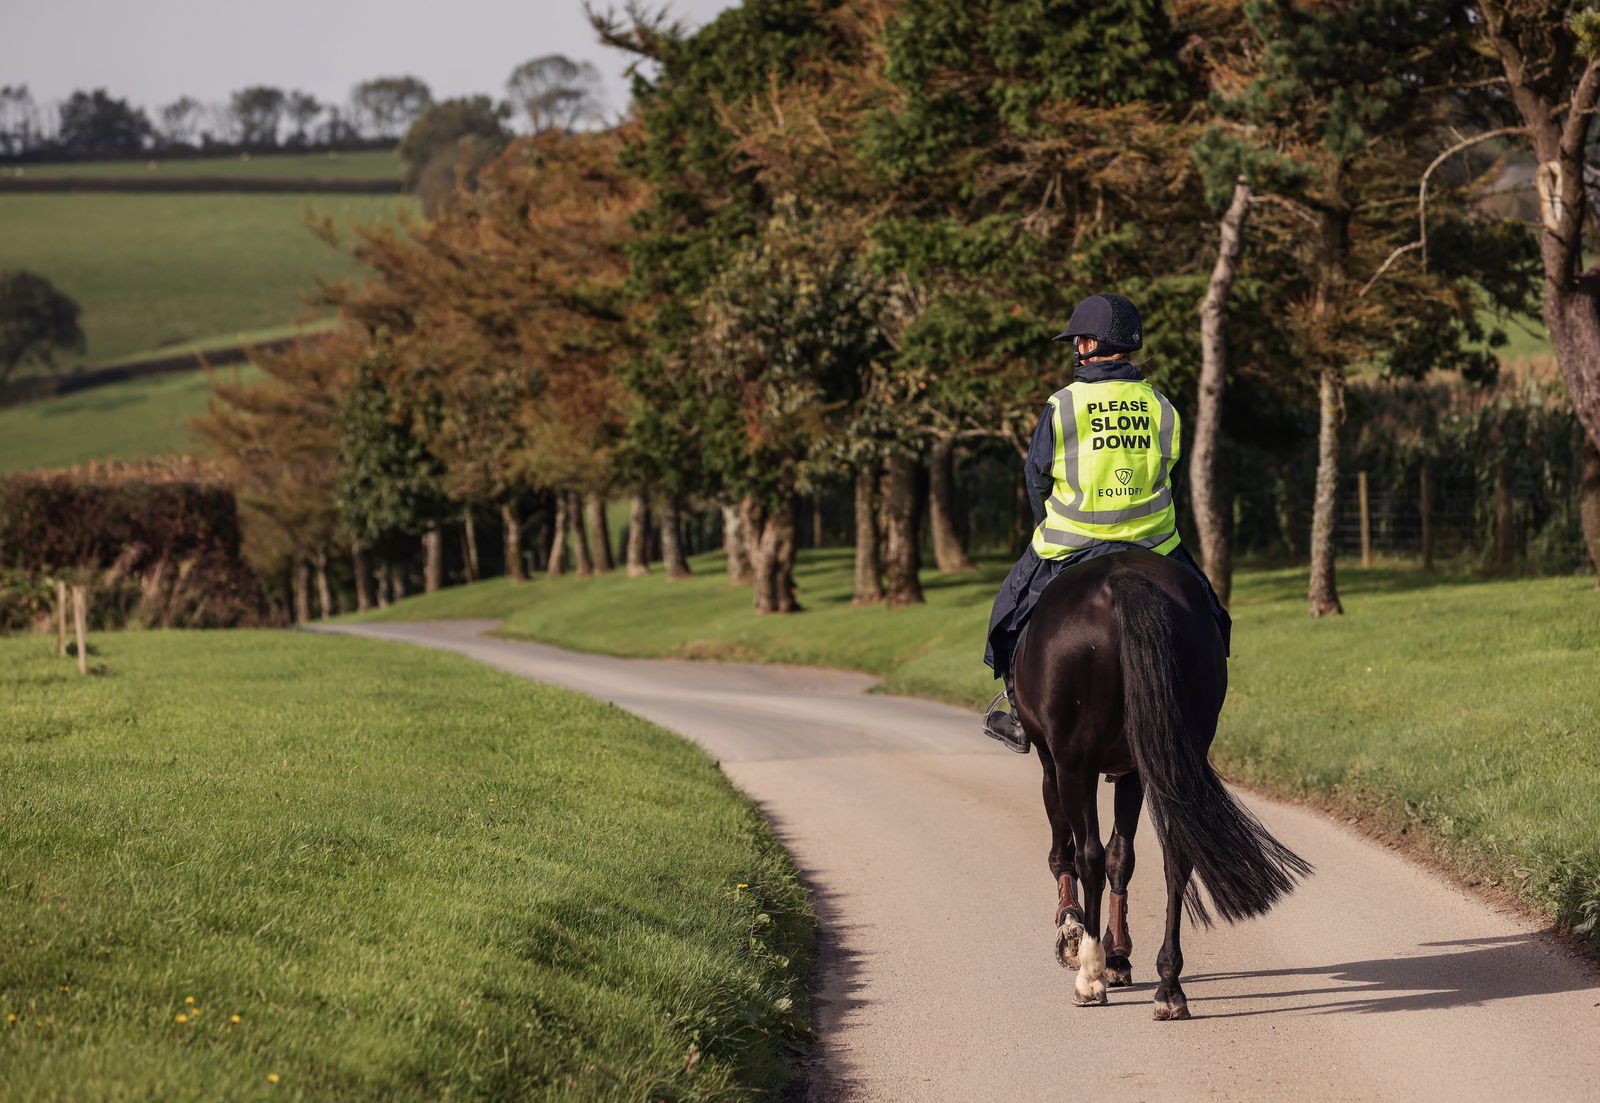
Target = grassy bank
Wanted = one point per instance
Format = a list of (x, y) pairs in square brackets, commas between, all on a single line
[(1458, 710), (367, 164), (152, 271), (407, 876), (120, 421)]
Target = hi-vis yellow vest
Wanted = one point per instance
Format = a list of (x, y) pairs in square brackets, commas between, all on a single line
[(1116, 442)]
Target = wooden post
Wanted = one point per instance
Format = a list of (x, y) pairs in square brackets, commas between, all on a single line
[(1425, 506), (1366, 522), (80, 624), (61, 617)]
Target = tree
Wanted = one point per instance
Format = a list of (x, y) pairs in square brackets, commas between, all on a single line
[(258, 111), (1548, 52), (302, 109), (792, 330), (1342, 110), (458, 133), (278, 440), (36, 321), (386, 106), (19, 120), (180, 121), (555, 92), (94, 124)]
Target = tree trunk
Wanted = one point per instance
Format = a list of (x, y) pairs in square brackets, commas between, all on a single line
[(1022, 523), (638, 535), (511, 533), (736, 545), (361, 566), (469, 545), (667, 516), (324, 591), (1425, 508), (1210, 513), (582, 563), (948, 554), (302, 590), (902, 553), (557, 563), (1505, 539), (397, 579), (385, 584), (774, 554), (869, 570), (594, 523), (1289, 517), (432, 560), (816, 520), (1323, 595), (1589, 498)]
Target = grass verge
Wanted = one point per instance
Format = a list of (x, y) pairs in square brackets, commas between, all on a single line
[(117, 421), (409, 877), (368, 164), (1456, 711)]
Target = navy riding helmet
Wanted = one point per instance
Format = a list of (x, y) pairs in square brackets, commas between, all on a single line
[(1110, 319)]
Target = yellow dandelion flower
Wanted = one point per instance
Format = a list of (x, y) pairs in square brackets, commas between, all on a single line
[(188, 999), (233, 1018), (66, 987), (11, 1018), (180, 1018), (39, 1023), (272, 1078), (743, 885), (491, 800)]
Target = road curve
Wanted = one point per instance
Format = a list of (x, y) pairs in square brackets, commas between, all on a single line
[(924, 846)]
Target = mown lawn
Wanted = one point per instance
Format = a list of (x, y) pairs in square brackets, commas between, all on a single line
[(155, 271), (371, 164), (1463, 711), (121, 421), (242, 865)]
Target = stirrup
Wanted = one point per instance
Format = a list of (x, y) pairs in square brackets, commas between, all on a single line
[(992, 717)]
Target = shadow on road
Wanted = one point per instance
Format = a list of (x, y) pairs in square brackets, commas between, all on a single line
[(1504, 967)]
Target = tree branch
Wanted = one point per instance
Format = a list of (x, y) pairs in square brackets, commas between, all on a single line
[(1384, 267)]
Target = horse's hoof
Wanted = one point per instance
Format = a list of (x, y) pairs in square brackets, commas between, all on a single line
[(1095, 997), (1069, 937), (1119, 973), (1171, 1012)]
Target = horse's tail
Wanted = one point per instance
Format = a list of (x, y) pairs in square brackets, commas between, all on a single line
[(1244, 869)]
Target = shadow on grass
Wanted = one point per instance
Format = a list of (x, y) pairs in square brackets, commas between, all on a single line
[(1289, 584), (1502, 967)]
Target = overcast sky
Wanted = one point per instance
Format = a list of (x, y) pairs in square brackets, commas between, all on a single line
[(153, 51)]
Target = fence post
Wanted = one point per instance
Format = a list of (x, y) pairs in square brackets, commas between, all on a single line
[(1366, 522), (80, 624), (1425, 507), (61, 617)]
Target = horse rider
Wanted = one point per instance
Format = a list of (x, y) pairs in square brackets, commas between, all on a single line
[(1099, 474)]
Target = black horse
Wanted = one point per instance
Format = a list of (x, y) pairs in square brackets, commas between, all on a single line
[(1122, 672)]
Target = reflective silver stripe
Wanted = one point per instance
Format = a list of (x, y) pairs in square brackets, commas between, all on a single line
[(1169, 419), (1067, 422), (1161, 501), (1075, 540)]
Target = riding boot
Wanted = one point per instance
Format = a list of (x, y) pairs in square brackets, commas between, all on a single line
[(1003, 724)]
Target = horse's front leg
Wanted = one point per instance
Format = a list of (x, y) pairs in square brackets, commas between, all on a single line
[(1119, 871), (1089, 987), (1170, 1001)]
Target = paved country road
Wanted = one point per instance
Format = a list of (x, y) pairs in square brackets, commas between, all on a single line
[(924, 845)]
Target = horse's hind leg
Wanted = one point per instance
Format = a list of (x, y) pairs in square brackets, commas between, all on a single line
[(1119, 871), (1170, 1001)]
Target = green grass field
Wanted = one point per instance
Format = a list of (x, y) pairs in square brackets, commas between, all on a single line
[(155, 271), (242, 865), (1458, 710), (363, 165), (119, 421)]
